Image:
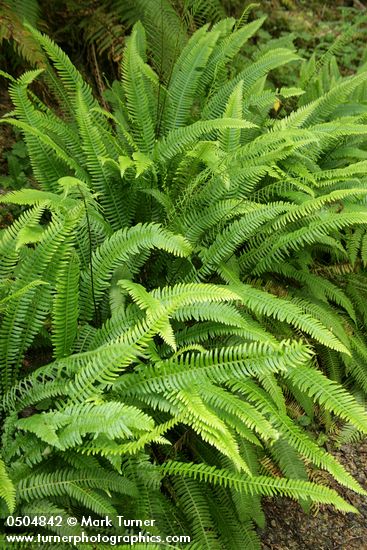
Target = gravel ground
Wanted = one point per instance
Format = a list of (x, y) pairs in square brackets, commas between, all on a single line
[(289, 528)]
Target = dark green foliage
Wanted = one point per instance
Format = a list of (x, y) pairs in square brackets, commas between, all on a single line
[(18, 167), (182, 261)]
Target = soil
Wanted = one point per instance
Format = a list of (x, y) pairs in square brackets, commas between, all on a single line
[(289, 528)]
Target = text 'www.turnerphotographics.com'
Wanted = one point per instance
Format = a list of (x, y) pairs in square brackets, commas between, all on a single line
[(119, 523)]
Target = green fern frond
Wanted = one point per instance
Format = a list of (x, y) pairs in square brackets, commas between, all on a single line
[(216, 365), (329, 394), (7, 491), (249, 75), (70, 77), (294, 435), (264, 303), (41, 264), (186, 76), (136, 90), (319, 109), (65, 307), (78, 485), (179, 139), (121, 246), (262, 485)]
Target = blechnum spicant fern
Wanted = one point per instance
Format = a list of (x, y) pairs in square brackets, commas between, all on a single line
[(183, 260)]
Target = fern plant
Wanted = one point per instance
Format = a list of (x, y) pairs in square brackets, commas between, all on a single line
[(172, 261)]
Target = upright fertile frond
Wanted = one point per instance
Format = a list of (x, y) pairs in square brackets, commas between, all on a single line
[(136, 88), (225, 50), (202, 11), (186, 76), (230, 139), (102, 179), (70, 77), (65, 307), (166, 31), (48, 166), (41, 264)]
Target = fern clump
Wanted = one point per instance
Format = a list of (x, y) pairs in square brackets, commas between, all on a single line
[(173, 259)]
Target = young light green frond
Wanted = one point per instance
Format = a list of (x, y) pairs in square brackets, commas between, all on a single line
[(241, 411), (217, 365), (264, 303), (179, 139), (35, 197), (112, 419), (102, 366), (154, 435), (207, 331), (209, 425), (225, 314), (230, 139), (7, 489), (182, 294)]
